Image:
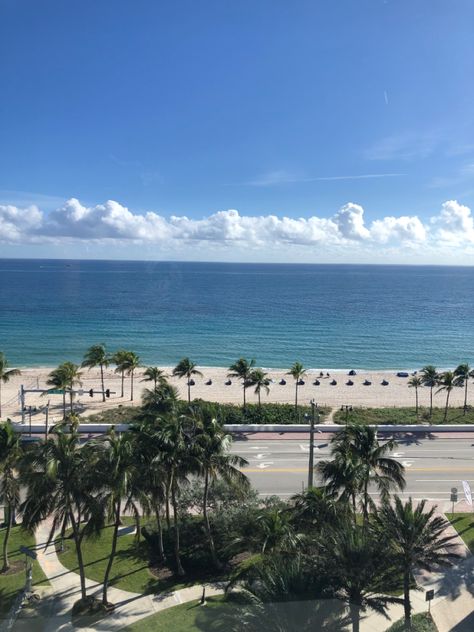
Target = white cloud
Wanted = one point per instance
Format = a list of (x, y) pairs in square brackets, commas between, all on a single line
[(228, 231)]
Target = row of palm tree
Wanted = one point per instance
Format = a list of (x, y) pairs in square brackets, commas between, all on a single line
[(445, 381), (317, 535)]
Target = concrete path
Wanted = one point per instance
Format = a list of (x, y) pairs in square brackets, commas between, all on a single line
[(130, 607)]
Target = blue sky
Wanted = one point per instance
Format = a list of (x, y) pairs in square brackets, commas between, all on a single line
[(185, 110)]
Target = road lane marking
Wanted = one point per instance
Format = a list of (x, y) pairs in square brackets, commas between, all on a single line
[(264, 465), (407, 463)]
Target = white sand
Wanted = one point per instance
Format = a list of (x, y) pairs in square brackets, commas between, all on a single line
[(397, 393)]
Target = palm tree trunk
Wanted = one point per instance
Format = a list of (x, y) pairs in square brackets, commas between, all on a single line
[(354, 508), (123, 381), (355, 617), (64, 403), (212, 547), (465, 395), (112, 553), (416, 399), (179, 568), (366, 501), (243, 386), (189, 389), (259, 402), (71, 395), (161, 548), (296, 397), (131, 386), (6, 564), (80, 561), (167, 503), (431, 402), (102, 381), (447, 404), (406, 600)]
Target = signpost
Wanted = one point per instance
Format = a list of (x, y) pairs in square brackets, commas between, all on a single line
[(454, 496), (429, 595)]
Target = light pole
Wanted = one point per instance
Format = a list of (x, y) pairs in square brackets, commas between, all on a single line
[(314, 411)]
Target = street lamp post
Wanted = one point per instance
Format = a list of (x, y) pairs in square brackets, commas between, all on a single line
[(314, 411)]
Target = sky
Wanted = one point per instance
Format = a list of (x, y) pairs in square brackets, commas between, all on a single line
[(249, 130)]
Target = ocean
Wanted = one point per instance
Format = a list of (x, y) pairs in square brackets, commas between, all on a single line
[(325, 316)]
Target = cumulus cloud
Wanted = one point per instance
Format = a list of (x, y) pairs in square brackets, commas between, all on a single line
[(113, 222)]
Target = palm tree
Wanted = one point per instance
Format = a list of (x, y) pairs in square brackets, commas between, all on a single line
[(359, 564), (343, 474), (118, 466), (463, 372), (60, 482), (416, 540), (213, 444), (315, 509), (447, 382), (65, 377), (415, 382), (97, 356), (242, 369), (155, 375), (160, 400), (430, 377), (186, 368), (298, 372), (129, 365), (259, 379), (5, 375), (10, 455), (120, 359), (358, 446)]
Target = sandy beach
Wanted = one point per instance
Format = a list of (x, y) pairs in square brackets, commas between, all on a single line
[(396, 393)]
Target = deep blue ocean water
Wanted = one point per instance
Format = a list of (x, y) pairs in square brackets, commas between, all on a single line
[(326, 316)]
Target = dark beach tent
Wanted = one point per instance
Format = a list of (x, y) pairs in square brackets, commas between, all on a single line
[(228, 383), (300, 382), (402, 374), (316, 382), (384, 383), (350, 383), (352, 372), (191, 383), (209, 383), (333, 382), (367, 382), (282, 382), (321, 374)]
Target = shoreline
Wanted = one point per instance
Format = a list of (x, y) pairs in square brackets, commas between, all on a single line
[(394, 394)]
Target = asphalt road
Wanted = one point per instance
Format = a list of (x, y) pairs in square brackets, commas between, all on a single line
[(433, 466)]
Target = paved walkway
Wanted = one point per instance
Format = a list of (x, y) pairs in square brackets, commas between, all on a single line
[(129, 607)]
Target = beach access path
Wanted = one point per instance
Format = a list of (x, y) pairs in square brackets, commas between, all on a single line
[(395, 394)]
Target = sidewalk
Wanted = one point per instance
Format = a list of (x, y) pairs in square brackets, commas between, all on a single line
[(129, 607)]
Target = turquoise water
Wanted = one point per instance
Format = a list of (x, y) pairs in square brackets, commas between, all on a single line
[(331, 316)]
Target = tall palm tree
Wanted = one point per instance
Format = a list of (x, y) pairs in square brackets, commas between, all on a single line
[(155, 375), (447, 382), (298, 372), (259, 379), (65, 377), (242, 369), (97, 356), (463, 372), (315, 509), (212, 445), (10, 455), (5, 375), (59, 482), (130, 364), (416, 540), (357, 445), (430, 377), (415, 382), (118, 467), (120, 359), (359, 564), (343, 475), (186, 368)]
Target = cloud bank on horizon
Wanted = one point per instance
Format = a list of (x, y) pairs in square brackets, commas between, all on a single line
[(452, 228)]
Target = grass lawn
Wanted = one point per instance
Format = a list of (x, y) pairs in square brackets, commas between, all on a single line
[(420, 623), (130, 569), (464, 525), (11, 584), (404, 416), (188, 617)]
